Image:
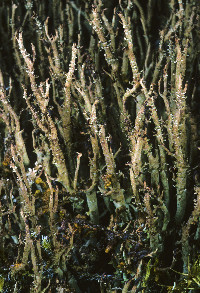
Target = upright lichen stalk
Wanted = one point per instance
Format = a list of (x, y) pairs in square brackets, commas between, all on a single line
[(99, 145)]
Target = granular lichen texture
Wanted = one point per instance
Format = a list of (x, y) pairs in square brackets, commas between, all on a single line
[(99, 146)]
